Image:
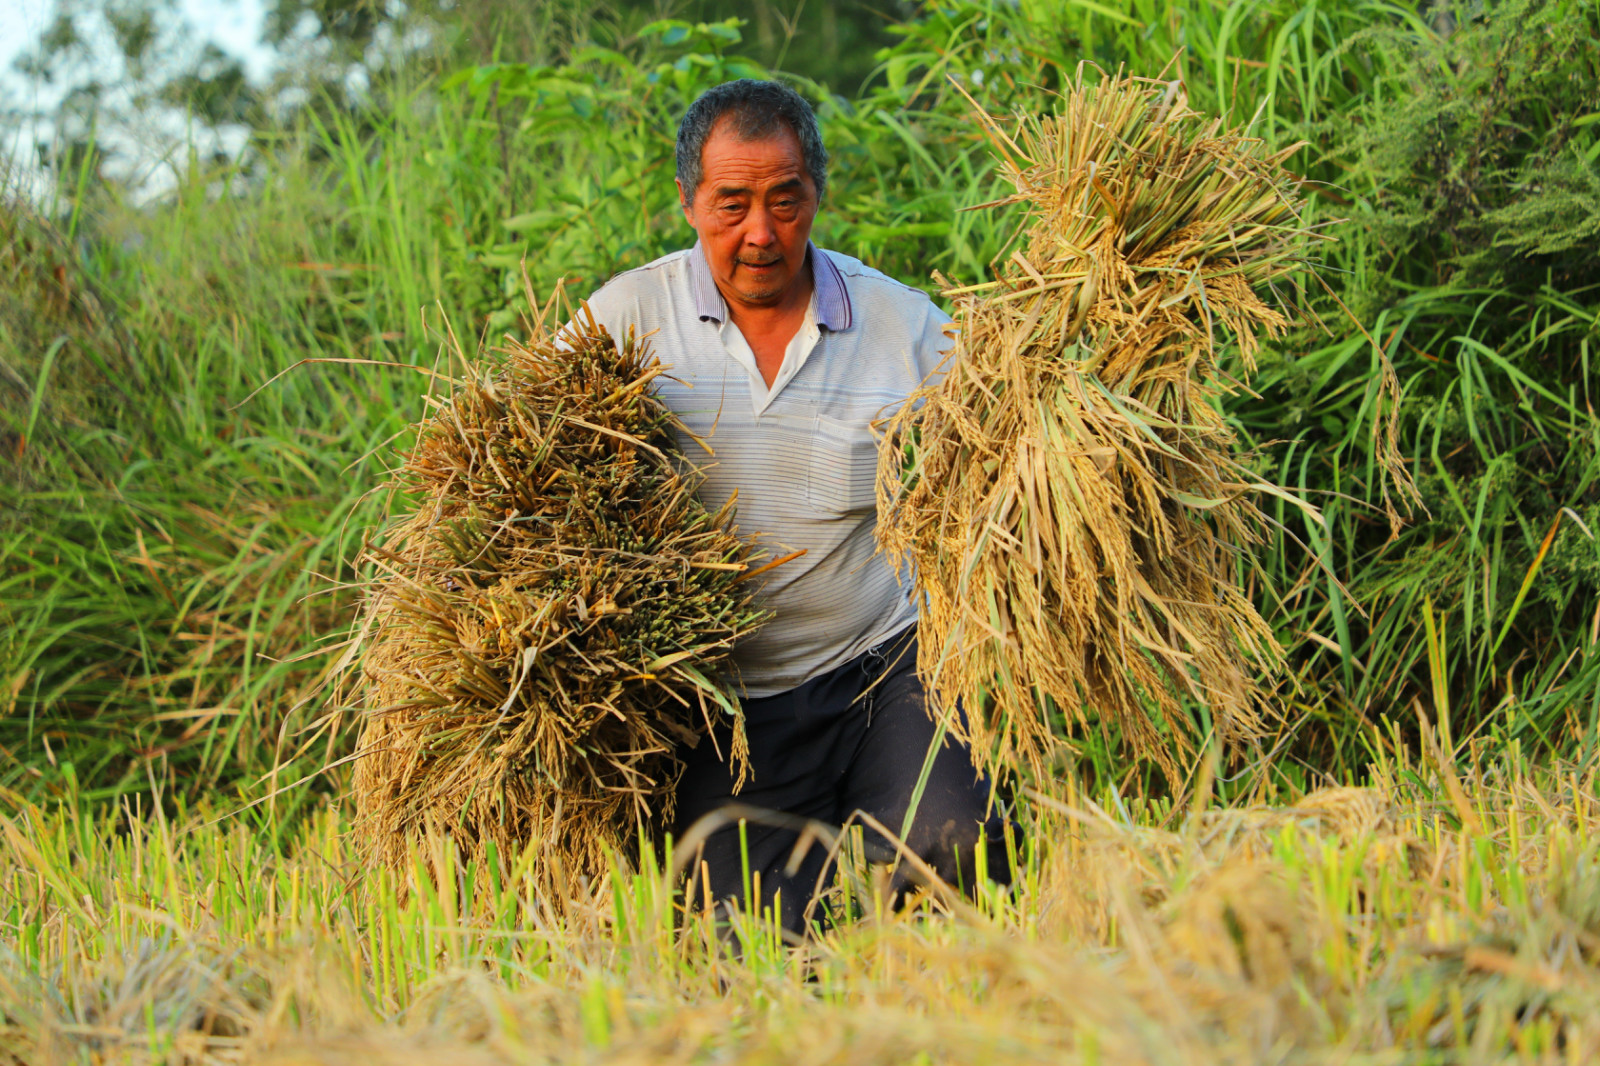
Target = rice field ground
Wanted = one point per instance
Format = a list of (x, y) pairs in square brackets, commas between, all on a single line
[(1438, 913)]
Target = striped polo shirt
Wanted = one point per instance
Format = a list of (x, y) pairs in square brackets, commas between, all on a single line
[(801, 454)]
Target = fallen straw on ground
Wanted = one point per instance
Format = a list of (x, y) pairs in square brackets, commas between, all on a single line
[(1355, 925), (552, 616), (1068, 492)]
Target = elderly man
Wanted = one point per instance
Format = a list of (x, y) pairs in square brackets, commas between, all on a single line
[(784, 354)]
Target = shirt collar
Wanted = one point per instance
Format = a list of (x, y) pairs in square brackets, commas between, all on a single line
[(829, 295)]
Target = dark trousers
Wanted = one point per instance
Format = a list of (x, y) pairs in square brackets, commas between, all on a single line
[(837, 745)]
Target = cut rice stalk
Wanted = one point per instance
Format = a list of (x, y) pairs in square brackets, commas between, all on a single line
[(552, 616), (1068, 493)]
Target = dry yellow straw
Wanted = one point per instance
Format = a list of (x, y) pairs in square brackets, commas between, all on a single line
[(551, 619), (1068, 492)]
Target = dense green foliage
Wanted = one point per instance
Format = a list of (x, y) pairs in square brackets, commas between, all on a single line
[(1472, 181), (173, 541)]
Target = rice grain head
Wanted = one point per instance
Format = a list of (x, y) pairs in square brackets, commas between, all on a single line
[(1068, 493), (552, 619)]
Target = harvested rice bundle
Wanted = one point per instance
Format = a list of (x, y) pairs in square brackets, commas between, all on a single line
[(550, 620), (1068, 492)]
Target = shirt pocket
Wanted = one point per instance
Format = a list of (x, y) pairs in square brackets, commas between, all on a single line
[(842, 468)]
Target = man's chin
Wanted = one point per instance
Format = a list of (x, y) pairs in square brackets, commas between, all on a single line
[(762, 294)]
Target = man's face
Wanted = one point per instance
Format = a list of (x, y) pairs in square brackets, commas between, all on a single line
[(753, 213)]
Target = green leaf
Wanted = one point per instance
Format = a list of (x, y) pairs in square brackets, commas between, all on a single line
[(727, 29), (661, 26), (899, 69), (608, 56), (867, 231), (535, 221)]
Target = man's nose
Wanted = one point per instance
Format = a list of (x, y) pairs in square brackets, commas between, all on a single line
[(758, 229)]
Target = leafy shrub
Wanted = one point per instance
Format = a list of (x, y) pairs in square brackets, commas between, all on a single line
[(1475, 185)]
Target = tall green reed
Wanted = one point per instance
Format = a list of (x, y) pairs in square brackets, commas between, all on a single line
[(171, 554)]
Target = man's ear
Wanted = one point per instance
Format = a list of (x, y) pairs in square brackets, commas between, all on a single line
[(683, 202)]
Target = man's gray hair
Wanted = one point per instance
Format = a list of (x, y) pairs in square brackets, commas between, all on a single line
[(756, 108)]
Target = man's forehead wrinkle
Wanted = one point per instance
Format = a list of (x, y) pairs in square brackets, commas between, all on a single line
[(726, 161), (748, 177), (741, 165), (746, 190)]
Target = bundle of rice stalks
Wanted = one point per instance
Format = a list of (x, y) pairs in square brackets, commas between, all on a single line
[(1068, 492), (552, 619)]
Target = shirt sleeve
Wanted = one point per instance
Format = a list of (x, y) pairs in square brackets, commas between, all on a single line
[(934, 345), (608, 310)]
